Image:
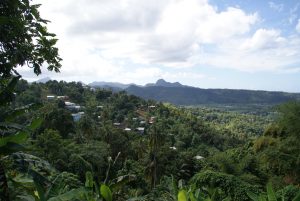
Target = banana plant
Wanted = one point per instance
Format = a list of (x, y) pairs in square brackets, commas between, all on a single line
[(196, 194), (270, 195), (12, 135)]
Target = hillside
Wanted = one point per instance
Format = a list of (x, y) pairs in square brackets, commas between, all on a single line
[(87, 135), (195, 96)]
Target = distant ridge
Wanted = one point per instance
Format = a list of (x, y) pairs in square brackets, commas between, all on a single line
[(116, 85), (179, 94), (196, 96)]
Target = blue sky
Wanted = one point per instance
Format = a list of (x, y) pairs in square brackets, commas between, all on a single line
[(246, 44)]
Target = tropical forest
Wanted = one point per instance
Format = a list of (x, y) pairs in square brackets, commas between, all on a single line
[(69, 141)]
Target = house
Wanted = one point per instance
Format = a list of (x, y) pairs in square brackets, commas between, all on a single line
[(127, 129), (117, 124), (140, 129), (63, 97), (174, 148), (151, 106), (77, 107), (50, 97), (198, 157), (71, 106), (67, 103), (76, 117)]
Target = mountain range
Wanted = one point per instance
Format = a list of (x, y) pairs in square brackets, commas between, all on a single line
[(179, 94)]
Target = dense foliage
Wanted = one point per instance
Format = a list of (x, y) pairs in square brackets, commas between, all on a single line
[(67, 141), (138, 148)]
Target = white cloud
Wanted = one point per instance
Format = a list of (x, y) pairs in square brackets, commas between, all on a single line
[(95, 36), (298, 26), (276, 7), (264, 39), (293, 13)]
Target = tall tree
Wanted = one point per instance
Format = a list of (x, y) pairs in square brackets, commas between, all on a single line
[(24, 40)]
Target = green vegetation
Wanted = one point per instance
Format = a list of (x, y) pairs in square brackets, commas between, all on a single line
[(144, 150), (66, 141)]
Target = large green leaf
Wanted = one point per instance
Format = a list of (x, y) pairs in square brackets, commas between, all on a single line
[(297, 198), (77, 194), (6, 94), (271, 193), (121, 181), (253, 196), (11, 115), (26, 198), (11, 147), (182, 195), (89, 182), (105, 192), (35, 123), (16, 139)]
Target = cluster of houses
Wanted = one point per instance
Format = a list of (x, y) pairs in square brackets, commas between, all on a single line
[(142, 121), (77, 114), (75, 109), (140, 129)]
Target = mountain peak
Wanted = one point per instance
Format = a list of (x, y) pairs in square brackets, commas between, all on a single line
[(163, 83)]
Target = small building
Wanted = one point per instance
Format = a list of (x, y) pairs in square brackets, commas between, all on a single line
[(67, 103), (151, 106), (140, 129), (174, 148), (117, 124), (127, 129), (77, 107), (51, 97), (76, 117), (198, 157), (63, 97)]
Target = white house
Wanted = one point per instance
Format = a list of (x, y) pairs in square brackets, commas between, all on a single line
[(140, 129), (198, 157), (50, 97)]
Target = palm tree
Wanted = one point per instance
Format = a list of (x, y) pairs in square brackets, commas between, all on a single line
[(156, 140)]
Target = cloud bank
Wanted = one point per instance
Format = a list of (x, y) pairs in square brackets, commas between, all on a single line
[(134, 39)]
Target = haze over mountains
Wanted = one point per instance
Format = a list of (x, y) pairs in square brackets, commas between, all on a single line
[(179, 94)]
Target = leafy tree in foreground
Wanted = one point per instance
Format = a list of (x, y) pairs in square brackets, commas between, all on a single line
[(24, 39)]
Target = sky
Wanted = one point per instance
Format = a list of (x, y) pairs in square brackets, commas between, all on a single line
[(237, 44)]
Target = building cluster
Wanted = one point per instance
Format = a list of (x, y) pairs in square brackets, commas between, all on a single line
[(72, 107)]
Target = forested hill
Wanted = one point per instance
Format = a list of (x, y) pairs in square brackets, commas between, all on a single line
[(196, 96), (79, 138)]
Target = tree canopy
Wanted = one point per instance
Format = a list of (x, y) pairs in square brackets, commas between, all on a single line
[(24, 39)]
